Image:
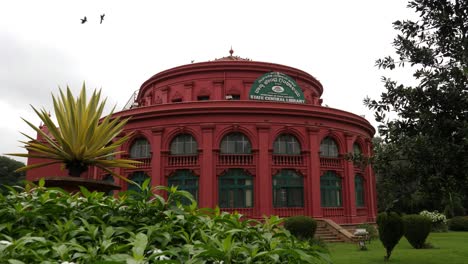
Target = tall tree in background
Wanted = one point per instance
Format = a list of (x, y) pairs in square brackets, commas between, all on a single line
[(8, 176), (430, 131)]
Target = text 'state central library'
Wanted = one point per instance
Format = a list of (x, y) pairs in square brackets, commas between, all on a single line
[(250, 137)]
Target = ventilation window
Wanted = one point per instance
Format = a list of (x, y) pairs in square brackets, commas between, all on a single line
[(233, 97), (177, 100), (203, 98)]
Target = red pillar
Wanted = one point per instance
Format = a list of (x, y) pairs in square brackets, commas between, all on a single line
[(208, 180), (264, 177), (350, 199), (313, 180), (157, 166)]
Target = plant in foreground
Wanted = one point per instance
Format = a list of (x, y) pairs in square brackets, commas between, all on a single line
[(49, 225), (81, 138)]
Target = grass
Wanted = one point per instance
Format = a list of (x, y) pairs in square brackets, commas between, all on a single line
[(451, 247)]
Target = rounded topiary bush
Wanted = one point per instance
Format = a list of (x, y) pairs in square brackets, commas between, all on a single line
[(458, 223), (417, 228), (300, 226), (391, 228)]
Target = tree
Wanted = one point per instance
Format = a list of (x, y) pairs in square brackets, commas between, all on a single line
[(8, 176), (431, 127), (81, 138)]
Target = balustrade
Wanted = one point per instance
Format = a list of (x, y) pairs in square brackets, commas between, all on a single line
[(332, 211), (289, 211), (246, 212), (331, 162), (183, 160), (288, 160), (235, 159), (361, 211), (145, 163)]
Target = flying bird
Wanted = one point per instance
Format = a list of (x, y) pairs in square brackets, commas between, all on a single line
[(102, 17), (84, 20)]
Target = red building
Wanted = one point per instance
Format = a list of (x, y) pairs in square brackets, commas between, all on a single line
[(250, 137)]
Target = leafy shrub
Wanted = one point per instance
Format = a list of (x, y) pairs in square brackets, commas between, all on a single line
[(417, 228), (391, 229), (370, 229), (439, 221), (50, 225), (302, 227), (458, 223)]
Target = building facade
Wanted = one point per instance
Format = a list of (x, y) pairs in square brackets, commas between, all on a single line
[(250, 137)]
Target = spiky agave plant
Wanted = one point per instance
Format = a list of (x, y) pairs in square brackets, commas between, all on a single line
[(81, 139)]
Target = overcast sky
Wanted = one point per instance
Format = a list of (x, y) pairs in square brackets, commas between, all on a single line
[(43, 45)]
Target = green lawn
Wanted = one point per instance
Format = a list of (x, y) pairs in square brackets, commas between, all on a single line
[(450, 248)]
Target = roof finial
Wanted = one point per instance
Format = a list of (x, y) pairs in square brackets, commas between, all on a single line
[(231, 51)]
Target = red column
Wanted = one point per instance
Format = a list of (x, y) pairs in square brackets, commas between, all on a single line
[(208, 181), (313, 179), (263, 177), (350, 193), (157, 166), (371, 195)]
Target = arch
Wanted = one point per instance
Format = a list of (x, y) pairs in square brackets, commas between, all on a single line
[(287, 144), (137, 134), (170, 135), (331, 190), (329, 148), (140, 149), (235, 128), (235, 189), (338, 138), (359, 183), (183, 144), (288, 189), (292, 131), (235, 143), (362, 145)]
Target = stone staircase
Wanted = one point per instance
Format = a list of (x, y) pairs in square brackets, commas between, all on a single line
[(330, 232)]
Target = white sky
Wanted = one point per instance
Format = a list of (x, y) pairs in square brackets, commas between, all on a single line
[(43, 45)]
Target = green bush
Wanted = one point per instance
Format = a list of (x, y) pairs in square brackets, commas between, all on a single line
[(50, 225), (417, 229), (302, 227), (391, 229), (458, 223)]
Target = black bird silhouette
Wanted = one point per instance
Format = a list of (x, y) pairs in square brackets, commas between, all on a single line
[(102, 17), (83, 20)]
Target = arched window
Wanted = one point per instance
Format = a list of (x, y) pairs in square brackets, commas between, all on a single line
[(330, 190), (357, 149), (235, 189), (286, 144), (288, 189), (110, 179), (235, 143), (140, 149), (328, 148), (138, 177), (184, 144), (185, 181), (359, 189)]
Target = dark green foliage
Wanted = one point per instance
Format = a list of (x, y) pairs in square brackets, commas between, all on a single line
[(391, 229), (8, 176), (417, 229), (302, 227), (49, 225), (458, 223), (427, 129)]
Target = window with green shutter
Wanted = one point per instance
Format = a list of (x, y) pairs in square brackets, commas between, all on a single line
[(359, 189), (286, 144), (185, 181), (330, 190), (288, 189), (184, 144), (328, 148), (140, 149), (235, 189), (235, 143)]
